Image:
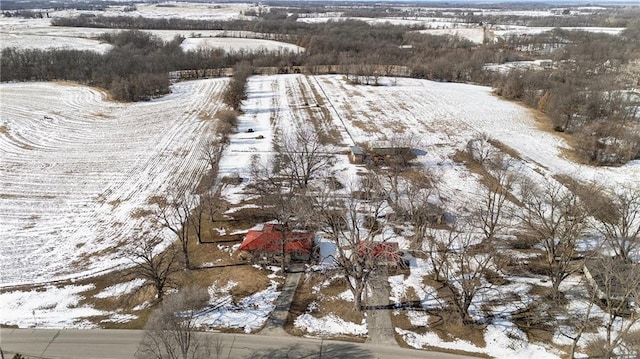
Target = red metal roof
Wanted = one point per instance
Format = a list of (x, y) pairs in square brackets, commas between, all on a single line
[(269, 239), (386, 250)]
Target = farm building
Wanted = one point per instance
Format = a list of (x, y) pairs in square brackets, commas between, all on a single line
[(613, 280), (356, 155), (384, 253), (385, 152), (386, 148), (265, 246)]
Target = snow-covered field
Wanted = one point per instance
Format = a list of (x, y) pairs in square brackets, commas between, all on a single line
[(477, 34), (76, 168), (512, 30), (39, 34), (237, 44), (72, 180)]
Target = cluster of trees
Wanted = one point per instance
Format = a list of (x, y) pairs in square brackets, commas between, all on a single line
[(136, 68), (465, 253), (608, 18), (555, 218), (347, 42), (236, 89), (584, 93), (28, 14)]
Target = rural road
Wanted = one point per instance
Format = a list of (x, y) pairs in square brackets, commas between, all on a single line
[(121, 344)]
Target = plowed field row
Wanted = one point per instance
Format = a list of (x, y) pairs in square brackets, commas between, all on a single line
[(75, 168)]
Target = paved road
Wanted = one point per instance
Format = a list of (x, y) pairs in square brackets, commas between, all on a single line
[(121, 344)]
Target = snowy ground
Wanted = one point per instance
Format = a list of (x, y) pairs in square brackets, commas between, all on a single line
[(236, 44), (75, 170), (63, 179), (444, 117), (249, 314), (39, 34)]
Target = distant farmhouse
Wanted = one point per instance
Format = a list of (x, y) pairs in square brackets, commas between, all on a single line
[(381, 152)]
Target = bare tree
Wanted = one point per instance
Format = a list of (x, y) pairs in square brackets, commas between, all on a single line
[(211, 208), (303, 155), (556, 217), (352, 224), (211, 152), (489, 213), (397, 163), (196, 217), (578, 318), (173, 213), (437, 246), (281, 198), (156, 266), (461, 259), (621, 229), (465, 269), (236, 89), (480, 148), (417, 203), (617, 286), (170, 332)]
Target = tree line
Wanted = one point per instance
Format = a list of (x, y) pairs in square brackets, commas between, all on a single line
[(135, 69), (580, 93), (584, 93)]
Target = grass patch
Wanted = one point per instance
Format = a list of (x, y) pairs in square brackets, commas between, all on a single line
[(465, 158), (593, 196), (544, 124), (449, 327), (365, 126), (505, 149), (302, 299), (319, 114)]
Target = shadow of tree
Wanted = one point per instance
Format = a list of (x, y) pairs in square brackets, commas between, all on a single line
[(333, 350)]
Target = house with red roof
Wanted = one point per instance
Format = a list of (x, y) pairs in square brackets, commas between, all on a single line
[(384, 253), (265, 246)]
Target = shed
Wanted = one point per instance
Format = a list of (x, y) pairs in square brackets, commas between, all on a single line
[(384, 253), (356, 155), (386, 149), (613, 279)]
